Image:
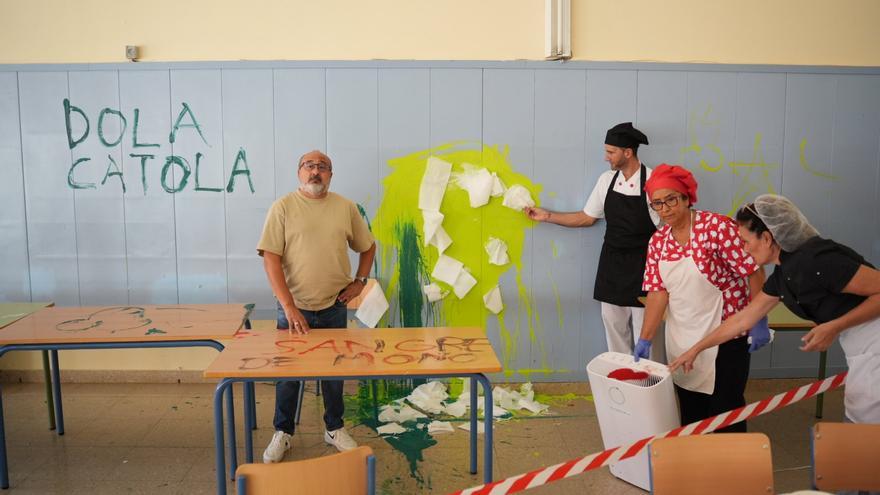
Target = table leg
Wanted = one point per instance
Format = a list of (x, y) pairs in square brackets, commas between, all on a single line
[(219, 451), (56, 391), (823, 357), (299, 401), (248, 421), (4, 468), (474, 413), (253, 404), (47, 379), (487, 418), (230, 428)]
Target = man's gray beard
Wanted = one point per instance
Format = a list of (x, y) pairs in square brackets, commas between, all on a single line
[(314, 189)]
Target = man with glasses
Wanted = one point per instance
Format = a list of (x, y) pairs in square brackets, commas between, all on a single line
[(620, 199), (304, 246)]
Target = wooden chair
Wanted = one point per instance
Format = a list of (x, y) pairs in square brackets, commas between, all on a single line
[(346, 473), (846, 456), (723, 463)]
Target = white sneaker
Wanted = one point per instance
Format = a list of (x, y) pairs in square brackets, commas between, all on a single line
[(340, 439), (277, 447)]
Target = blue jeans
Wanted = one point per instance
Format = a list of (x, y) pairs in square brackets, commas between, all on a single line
[(287, 392)]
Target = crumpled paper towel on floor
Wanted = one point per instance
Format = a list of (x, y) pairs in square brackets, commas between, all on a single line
[(429, 397), (440, 427), (390, 429), (400, 414)]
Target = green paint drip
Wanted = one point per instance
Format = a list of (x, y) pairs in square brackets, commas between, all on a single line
[(559, 313), (409, 268), (154, 331)]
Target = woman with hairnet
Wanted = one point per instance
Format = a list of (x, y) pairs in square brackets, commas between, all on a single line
[(819, 280), (699, 274)]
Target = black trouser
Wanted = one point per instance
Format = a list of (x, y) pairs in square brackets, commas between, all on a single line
[(731, 375), (287, 392)]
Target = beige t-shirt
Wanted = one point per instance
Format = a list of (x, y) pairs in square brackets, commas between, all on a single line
[(312, 237)]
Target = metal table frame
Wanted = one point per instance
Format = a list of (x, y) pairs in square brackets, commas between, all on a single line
[(250, 419), (56, 383)]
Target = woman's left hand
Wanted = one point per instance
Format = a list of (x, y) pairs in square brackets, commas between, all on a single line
[(350, 292), (685, 361), (819, 338)]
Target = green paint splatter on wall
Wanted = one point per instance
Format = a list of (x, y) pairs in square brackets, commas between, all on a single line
[(560, 314), (410, 271), (155, 331), (469, 229)]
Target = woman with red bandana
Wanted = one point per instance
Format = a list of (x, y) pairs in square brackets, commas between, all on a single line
[(699, 274)]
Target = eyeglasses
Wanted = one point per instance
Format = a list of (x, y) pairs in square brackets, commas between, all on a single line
[(319, 166), (671, 202)]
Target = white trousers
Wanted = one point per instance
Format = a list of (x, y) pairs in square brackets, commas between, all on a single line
[(623, 325)]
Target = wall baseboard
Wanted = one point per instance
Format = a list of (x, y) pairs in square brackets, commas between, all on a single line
[(108, 376)]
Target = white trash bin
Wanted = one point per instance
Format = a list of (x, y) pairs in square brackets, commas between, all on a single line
[(630, 410)]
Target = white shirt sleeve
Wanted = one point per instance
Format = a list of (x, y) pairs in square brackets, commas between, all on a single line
[(595, 206)]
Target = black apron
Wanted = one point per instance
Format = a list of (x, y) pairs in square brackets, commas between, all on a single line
[(622, 263)]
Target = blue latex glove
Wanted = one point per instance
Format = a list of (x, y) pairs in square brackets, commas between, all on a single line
[(643, 348), (759, 334)]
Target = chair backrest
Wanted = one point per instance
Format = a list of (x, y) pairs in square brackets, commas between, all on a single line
[(846, 456), (345, 473), (722, 463)]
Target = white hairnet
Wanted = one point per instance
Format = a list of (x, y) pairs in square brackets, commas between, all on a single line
[(790, 228)]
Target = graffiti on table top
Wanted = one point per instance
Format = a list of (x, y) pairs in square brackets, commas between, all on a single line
[(457, 350)]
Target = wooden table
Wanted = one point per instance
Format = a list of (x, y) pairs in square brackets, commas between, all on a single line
[(347, 354), (12, 312), (117, 327)]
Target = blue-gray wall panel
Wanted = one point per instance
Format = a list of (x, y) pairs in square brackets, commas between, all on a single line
[(149, 211), (248, 141), (352, 134), (100, 209), (15, 283), (404, 127), (662, 115), (756, 164), (300, 122), (508, 121), (560, 165), (456, 105), (199, 209), (807, 164), (856, 162), (711, 135), (46, 158), (611, 98)]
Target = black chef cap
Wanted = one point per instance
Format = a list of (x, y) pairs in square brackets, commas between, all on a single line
[(625, 136)]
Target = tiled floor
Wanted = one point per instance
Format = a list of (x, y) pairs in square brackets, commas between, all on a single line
[(159, 439)]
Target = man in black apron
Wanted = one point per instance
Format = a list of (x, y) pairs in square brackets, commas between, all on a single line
[(619, 197)]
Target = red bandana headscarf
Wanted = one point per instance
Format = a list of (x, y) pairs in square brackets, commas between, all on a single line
[(672, 177)]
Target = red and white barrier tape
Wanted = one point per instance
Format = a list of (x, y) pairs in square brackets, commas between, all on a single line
[(580, 465)]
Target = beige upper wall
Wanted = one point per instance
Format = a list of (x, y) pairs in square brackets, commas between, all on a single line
[(796, 32)]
